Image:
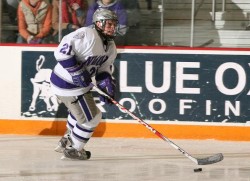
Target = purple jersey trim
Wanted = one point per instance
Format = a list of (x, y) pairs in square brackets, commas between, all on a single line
[(71, 62), (59, 82)]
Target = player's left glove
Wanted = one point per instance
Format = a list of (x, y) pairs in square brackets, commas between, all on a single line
[(106, 84)]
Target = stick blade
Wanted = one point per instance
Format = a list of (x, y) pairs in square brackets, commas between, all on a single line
[(211, 159)]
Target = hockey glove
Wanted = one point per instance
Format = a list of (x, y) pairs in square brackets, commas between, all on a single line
[(80, 76), (106, 84)]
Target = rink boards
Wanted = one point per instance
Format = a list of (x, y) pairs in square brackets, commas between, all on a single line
[(186, 93)]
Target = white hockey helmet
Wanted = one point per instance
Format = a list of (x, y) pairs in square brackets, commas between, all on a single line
[(101, 15)]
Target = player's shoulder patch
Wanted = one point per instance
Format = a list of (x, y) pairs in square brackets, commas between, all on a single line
[(83, 32), (79, 35)]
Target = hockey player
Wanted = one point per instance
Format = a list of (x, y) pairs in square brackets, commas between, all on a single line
[(84, 55)]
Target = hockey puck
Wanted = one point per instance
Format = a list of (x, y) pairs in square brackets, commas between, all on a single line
[(197, 169)]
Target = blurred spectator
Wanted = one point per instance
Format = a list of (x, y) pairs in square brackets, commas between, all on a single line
[(113, 5), (12, 10), (73, 16), (34, 21), (133, 12), (149, 5)]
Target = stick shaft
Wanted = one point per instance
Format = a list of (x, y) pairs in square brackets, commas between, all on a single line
[(145, 124)]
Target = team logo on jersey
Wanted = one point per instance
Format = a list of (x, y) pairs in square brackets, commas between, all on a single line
[(96, 60)]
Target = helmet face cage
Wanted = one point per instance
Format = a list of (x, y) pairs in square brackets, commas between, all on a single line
[(102, 15)]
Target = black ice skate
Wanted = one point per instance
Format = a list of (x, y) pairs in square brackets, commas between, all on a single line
[(72, 153), (62, 144)]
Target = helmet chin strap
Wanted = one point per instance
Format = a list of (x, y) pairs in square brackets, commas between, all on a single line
[(104, 37)]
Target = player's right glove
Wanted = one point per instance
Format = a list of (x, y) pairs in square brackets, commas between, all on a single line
[(107, 84), (80, 76)]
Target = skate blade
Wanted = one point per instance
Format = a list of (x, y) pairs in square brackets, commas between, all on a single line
[(65, 158), (69, 159), (59, 149)]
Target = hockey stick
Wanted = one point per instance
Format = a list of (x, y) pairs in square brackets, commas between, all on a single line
[(199, 161)]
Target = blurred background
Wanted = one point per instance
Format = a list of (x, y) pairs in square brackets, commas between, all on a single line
[(185, 23)]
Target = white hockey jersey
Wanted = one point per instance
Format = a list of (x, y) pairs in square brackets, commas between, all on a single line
[(85, 45)]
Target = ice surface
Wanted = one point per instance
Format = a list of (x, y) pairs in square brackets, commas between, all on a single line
[(32, 158)]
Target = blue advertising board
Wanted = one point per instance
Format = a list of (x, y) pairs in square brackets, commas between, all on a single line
[(155, 86)]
